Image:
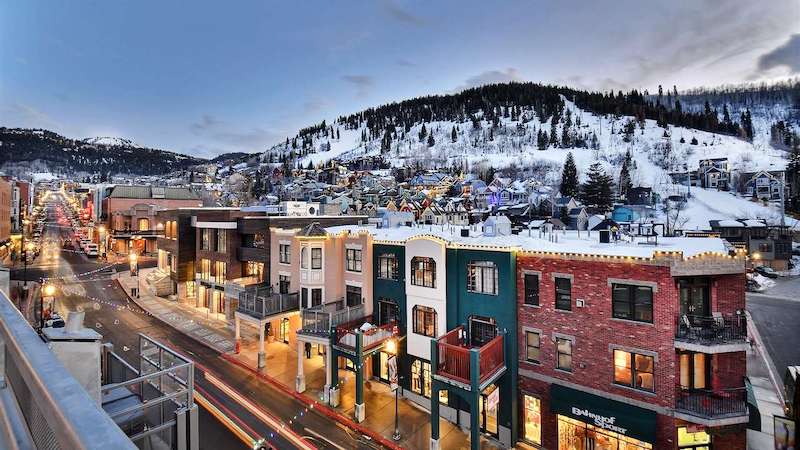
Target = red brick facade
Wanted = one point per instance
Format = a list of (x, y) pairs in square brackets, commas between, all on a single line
[(596, 334)]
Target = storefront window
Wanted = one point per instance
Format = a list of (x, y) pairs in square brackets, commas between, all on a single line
[(698, 440), (532, 419), (421, 381), (576, 435)]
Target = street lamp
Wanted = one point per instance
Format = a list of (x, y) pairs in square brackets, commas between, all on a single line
[(392, 349), (135, 270), (48, 290)]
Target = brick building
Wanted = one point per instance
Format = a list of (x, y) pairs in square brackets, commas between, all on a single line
[(620, 347), (5, 217)]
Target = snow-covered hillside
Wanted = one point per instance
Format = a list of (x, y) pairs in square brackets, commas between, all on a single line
[(111, 141)]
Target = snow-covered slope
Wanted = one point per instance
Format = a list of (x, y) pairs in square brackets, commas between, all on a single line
[(111, 141)]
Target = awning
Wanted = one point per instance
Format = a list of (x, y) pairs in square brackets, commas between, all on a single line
[(754, 422), (629, 420)]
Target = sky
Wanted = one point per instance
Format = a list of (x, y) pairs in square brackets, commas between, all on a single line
[(207, 77)]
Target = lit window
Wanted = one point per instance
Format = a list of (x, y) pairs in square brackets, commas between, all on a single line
[(424, 321), (482, 277), (423, 272), (387, 267), (634, 370), (532, 411), (532, 345), (564, 352)]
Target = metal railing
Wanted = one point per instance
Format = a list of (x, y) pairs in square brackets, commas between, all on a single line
[(43, 405), (718, 330), (372, 337), (710, 404), (454, 356), (320, 319), (152, 404), (262, 306)]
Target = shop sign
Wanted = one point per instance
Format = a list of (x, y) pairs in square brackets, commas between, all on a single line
[(493, 399), (391, 364)]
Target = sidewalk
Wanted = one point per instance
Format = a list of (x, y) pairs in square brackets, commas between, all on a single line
[(767, 397), (281, 369)]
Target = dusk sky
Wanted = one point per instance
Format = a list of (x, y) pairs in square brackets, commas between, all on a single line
[(205, 77)]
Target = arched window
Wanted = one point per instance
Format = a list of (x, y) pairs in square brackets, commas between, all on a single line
[(423, 272), (144, 224), (304, 257)]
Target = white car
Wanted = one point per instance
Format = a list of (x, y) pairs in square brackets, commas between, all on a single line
[(91, 250)]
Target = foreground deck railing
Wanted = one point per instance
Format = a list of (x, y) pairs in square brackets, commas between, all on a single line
[(719, 330), (42, 405), (455, 361), (265, 305), (320, 319), (712, 404), (371, 338)]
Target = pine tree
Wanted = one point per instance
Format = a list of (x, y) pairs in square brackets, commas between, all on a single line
[(596, 191), (431, 141), (569, 178), (747, 124), (542, 140), (453, 135), (423, 132), (625, 183), (554, 131)]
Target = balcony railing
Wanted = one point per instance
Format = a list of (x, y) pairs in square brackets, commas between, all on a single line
[(261, 304), (131, 233), (710, 405), (320, 319), (371, 338), (454, 357), (709, 331)]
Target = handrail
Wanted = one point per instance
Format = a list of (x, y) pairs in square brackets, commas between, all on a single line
[(77, 422), (712, 403), (715, 330)]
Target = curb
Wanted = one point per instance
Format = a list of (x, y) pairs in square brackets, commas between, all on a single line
[(771, 369), (322, 408)]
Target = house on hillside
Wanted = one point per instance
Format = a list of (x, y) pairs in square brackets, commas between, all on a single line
[(714, 173), (764, 185), (767, 245)]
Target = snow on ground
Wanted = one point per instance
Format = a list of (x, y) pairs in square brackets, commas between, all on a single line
[(705, 205)]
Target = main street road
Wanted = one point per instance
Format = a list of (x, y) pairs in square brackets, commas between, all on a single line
[(110, 312), (777, 319)]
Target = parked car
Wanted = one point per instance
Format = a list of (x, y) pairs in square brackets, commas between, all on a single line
[(91, 250), (766, 271)]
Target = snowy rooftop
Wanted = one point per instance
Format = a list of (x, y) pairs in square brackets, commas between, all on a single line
[(567, 241)]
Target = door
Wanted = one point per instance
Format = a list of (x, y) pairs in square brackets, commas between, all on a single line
[(488, 410), (481, 330), (695, 300), (304, 297), (384, 375)]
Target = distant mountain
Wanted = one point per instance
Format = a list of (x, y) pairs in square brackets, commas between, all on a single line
[(231, 158), (36, 149)]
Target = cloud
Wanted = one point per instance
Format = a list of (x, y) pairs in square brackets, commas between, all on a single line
[(231, 138), (362, 83), (787, 54), (402, 15), (491, 77)]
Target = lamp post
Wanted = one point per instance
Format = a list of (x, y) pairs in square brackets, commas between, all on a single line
[(48, 290), (134, 262), (102, 238), (392, 348)]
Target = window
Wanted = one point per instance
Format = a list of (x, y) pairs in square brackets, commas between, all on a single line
[(632, 302), (531, 289), (532, 420), (284, 252), (387, 266), (388, 311), (421, 381), (633, 370), (693, 440), (532, 346), (258, 240), (304, 258), (205, 242), (482, 277), (220, 272), (564, 352), (423, 272), (283, 284), (353, 257), (205, 269), (765, 247), (353, 295), (316, 258), (316, 297), (144, 224), (254, 269), (563, 294), (222, 241), (424, 321)]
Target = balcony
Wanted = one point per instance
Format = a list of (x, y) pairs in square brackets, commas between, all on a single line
[(717, 334), (712, 408), (372, 338), (260, 302), (252, 254), (319, 320), (455, 358), (117, 234)]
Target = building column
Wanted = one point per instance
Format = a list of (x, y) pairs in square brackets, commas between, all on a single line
[(474, 415), (333, 373), (434, 444), (360, 410), (262, 356), (300, 380), (328, 365)]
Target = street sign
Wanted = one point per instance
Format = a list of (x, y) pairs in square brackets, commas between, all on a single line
[(391, 364)]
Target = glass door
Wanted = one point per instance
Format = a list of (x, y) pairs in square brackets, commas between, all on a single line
[(695, 300), (481, 330), (694, 370), (488, 412)]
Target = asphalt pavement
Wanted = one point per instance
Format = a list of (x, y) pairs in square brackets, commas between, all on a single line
[(256, 407)]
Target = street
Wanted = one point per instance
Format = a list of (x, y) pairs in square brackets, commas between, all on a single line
[(776, 314), (254, 406)]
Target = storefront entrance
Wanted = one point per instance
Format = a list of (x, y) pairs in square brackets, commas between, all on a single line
[(489, 404), (590, 422)]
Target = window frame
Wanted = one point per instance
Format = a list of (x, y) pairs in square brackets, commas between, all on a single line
[(633, 370), (429, 318), (529, 346), (350, 289), (285, 253), (353, 260), (388, 267), (222, 241), (558, 300), (559, 353), (316, 258), (632, 302), (526, 297), (484, 268), (424, 265)]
